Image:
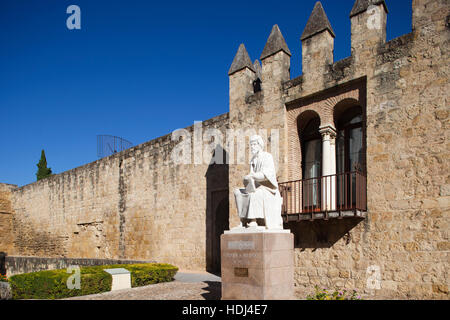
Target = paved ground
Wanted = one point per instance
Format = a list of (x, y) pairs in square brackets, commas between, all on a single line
[(188, 285), (192, 276)]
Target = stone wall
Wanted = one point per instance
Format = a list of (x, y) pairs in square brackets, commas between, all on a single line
[(136, 204), (405, 236), (18, 265), (6, 218), (402, 86)]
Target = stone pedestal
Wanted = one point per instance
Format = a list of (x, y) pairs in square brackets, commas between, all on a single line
[(257, 265)]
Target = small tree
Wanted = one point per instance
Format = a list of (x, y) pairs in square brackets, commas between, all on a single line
[(43, 171)]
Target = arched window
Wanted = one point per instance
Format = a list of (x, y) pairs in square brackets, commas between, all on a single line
[(349, 142), (350, 155), (311, 150), (311, 142)]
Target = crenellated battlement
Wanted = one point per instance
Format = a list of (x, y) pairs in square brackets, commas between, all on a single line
[(397, 93), (319, 70)]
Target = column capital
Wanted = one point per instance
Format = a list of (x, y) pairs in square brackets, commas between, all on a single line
[(328, 132)]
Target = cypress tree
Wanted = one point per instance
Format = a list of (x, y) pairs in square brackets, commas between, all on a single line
[(43, 171)]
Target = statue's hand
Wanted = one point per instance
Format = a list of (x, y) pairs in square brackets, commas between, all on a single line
[(258, 176)]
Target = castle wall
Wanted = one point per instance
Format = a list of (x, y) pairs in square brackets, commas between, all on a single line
[(405, 235), (6, 218), (136, 204)]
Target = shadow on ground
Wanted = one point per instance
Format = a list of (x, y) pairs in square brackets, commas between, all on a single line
[(214, 290)]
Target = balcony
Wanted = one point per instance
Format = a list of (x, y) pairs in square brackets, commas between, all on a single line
[(329, 197)]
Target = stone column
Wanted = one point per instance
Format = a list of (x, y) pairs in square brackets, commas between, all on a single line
[(328, 168)]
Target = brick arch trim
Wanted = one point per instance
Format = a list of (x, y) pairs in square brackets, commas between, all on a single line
[(325, 110)]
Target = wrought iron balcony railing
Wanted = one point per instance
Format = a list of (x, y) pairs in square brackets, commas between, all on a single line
[(328, 194)]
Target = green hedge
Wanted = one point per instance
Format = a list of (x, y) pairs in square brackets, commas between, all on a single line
[(147, 273), (52, 284)]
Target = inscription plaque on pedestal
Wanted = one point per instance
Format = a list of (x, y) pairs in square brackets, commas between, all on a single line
[(257, 265), (241, 272)]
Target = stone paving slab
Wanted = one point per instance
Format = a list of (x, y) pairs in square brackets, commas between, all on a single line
[(196, 277), (186, 286), (162, 291)]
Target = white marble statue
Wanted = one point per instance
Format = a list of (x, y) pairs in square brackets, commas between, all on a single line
[(261, 198)]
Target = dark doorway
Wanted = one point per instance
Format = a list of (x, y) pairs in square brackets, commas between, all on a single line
[(217, 208), (2, 263), (220, 205)]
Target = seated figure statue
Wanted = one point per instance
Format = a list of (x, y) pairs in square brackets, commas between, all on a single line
[(261, 199)]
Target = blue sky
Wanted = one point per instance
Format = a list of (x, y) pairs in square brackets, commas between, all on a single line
[(136, 69)]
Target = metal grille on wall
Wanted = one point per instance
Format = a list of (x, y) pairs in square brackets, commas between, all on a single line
[(108, 145)]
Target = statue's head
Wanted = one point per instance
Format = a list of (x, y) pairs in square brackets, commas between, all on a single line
[(256, 144)]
